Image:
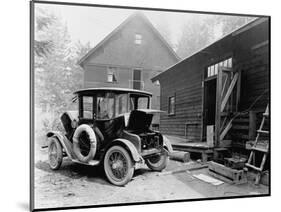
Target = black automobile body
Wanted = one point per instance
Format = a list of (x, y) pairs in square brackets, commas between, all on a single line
[(111, 127)]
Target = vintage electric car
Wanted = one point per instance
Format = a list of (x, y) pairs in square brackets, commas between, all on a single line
[(111, 127)]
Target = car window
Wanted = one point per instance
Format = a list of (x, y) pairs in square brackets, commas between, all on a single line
[(121, 104), (105, 106), (137, 102), (87, 107), (143, 103)]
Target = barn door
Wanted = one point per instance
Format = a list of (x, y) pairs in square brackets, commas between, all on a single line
[(228, 95)]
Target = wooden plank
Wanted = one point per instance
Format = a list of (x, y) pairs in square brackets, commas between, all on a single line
[(238, 91), (252, 125), (218, 107), (226, 129), (229, 91), (227, 174), (210, 135)]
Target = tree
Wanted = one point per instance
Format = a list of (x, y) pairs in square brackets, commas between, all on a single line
[(197, 32), (230, 23), (57, 74), (201, 30), (42, 21)]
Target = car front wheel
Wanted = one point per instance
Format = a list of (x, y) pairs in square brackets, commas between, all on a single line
[(157, 162), (55, 154), (118, 166)]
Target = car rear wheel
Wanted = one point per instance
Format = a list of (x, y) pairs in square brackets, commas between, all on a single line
[(157, 162), (55, 154), (118, 166)]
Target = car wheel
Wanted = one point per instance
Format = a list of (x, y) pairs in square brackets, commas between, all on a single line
[(157, 162), (118, 165), (55, 154)]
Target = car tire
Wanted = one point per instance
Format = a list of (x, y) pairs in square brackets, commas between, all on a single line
[(92, 143), (118, 165), (157, 162), (55, 153)]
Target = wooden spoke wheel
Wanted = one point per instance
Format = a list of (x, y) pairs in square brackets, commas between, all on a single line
[(55, 154), (118, 166)]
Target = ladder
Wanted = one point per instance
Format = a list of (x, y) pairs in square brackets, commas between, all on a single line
[(259, 146)]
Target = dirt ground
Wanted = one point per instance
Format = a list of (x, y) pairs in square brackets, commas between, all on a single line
[(77, 185)]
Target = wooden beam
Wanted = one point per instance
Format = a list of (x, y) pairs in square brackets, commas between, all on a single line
[(225, 69), (252, 125), (226, 129), (229, 91), (238, 91), (218, 107), (224, 85)]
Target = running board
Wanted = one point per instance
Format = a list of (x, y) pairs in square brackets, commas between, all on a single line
[(90, 163)]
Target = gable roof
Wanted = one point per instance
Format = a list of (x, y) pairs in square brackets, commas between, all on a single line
[(120, 27)]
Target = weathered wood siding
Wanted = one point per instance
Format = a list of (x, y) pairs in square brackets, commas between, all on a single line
[(185, 84), (249, 49)]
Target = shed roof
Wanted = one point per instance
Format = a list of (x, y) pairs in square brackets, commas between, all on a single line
[(235, 32), (120, 27)]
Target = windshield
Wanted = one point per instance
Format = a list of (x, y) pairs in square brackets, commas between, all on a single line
[(111, 105), (139, 102)]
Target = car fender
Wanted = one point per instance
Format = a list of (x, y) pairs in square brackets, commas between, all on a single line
[(167, 144), (66, 144), (133, 150)]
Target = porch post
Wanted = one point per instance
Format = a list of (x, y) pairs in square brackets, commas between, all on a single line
[(218, 107)]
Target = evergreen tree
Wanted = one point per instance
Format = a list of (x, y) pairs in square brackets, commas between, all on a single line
[(57, 74)]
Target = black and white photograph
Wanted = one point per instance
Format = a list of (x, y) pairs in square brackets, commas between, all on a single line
[(133, 105)]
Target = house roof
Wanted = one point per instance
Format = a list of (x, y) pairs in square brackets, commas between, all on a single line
[(120, 27), (235, 32)]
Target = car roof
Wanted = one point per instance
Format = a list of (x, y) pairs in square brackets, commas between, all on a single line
[(114, 90)]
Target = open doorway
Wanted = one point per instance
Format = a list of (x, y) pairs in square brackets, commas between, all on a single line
[(210, 93)]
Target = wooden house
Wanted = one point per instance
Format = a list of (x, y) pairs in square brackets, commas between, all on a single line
[(129, 57), (219, 92)]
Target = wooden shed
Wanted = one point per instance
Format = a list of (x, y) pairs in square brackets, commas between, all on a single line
[(222, 89)]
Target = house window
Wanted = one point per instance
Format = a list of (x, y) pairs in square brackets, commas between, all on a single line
[(138, 39), (111, 75), (171, 106), (137, 82), (212, 70)]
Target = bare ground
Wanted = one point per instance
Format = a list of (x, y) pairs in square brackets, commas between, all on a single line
[(79, 185)]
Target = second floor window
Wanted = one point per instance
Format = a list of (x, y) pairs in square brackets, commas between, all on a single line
[(111, 75), (138, 39)]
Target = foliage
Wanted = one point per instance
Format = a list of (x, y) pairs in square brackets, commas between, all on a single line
[(230, 23), (57, 74), (42, 45), (201, 30)]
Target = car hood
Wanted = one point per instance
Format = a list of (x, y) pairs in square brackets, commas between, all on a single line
[(139, 119)]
